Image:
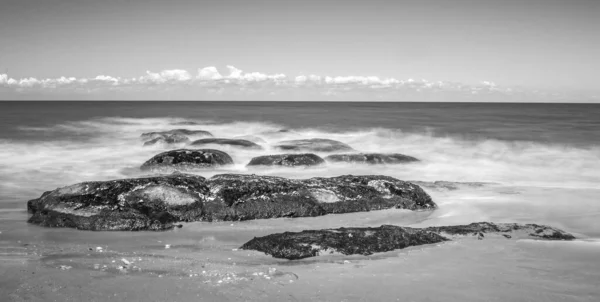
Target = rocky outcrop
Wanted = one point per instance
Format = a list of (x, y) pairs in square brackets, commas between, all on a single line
[(313, 145), (151, 203), (186, 160), (184, 132), (288, 160), (168, 139), (158, 203), (372, 158), (366, 241), (226, 141)]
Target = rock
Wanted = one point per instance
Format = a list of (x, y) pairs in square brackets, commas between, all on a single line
[(185, 123), (290, 160), (252, 138), (153, 135), (505, 229), (372, 158), (244, 197), (314, 145), (168, 139), (225, 141), (159, 203), (151, 203), (186, 160), (450, 185), (366, 241)]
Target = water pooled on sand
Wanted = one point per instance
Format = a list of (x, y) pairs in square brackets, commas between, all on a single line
[(487, 179)]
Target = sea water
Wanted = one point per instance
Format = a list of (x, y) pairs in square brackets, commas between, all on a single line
[(526, 163)]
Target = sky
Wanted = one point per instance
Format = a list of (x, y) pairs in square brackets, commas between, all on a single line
[(394, 50)]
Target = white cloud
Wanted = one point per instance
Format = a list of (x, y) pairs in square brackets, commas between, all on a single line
[(209, 73), (255, 85), (166, 76)]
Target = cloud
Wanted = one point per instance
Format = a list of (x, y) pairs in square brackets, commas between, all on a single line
[(209, 74), (209, 83)]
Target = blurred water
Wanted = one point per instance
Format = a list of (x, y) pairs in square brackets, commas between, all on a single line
[(538, 164)]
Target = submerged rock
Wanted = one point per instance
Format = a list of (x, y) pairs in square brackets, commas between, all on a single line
[(372, 158), (314, 145), (450, 185), (151, 203), (185, 123), (226, 141), (153, 135), (168, 139), (252, 138), (366, 241), (187, 159), (290, 160), (157, 203)]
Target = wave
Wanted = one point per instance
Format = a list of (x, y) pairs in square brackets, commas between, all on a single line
[(482, 180), (111, 147)]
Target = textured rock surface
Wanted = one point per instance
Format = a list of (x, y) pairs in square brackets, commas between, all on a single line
[(187, 159), (245, 196), (372, 158), (366, 241), (226, 141), (153, 135), (152, 203), (156, 203), (314, 145), (168, 139), (291, 160)]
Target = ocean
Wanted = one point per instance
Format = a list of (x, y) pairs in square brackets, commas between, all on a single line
[(507, 162)]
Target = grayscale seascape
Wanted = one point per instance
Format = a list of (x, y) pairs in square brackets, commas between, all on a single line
[(300, 150)]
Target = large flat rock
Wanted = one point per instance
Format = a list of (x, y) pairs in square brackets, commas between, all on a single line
[(366, 241), (158, 203)]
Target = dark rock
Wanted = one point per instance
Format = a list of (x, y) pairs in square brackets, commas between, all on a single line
[(252, 138), (186, 159), (372, 158), (153, 135), (450, 185), (244, 197), (290, 160), (158, 203), (314, 145), (185, 123), (510, 229), (152, 203), (366, 241), (347, 241), (226, 141), (168, 139)]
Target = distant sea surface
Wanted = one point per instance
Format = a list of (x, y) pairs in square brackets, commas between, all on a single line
[(576, 124)]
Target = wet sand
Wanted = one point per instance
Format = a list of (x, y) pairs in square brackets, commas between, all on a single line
[(201, 261)]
